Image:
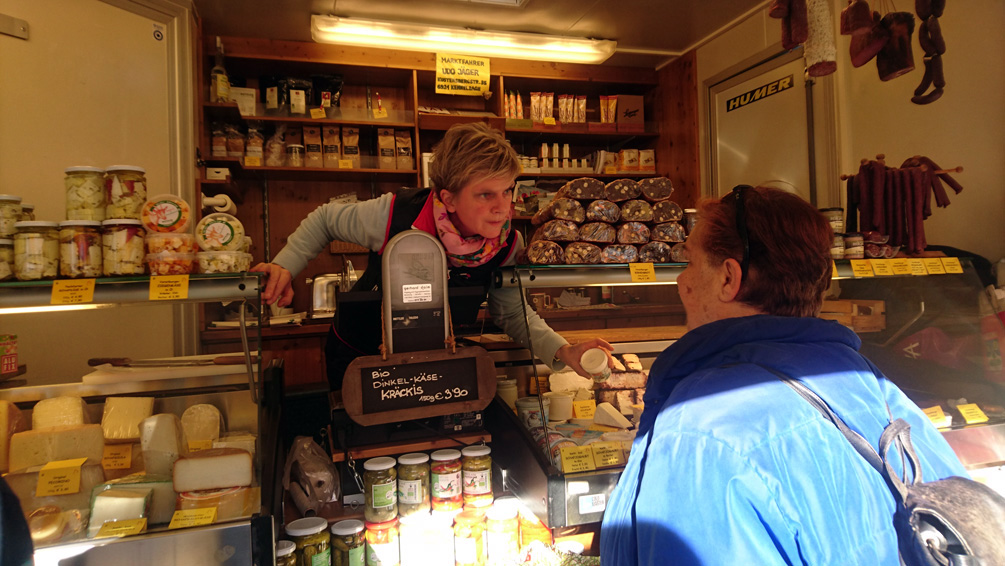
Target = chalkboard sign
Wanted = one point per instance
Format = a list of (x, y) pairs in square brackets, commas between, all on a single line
[(415, 385)]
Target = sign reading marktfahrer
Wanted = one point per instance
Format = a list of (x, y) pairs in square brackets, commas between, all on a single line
[(461, 74)]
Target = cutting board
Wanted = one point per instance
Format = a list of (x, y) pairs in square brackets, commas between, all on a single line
[(108, 373)]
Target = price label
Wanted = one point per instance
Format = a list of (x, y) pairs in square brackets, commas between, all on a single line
[(72, 291), (861, 268), (168, 287), (642, 272), (971, 413), (952, 264), (117, 457), (834, 269), (380, 112), (61, 477), (938, 418), (882, 267), (610, 170), (900, 266), (252, 161), (584, 409), (549, 121), (197, 445), (193, 518), (577, 459), (318, 113), (345, 163), (933, 266), (124, 528), (607, 454), (917, 266)]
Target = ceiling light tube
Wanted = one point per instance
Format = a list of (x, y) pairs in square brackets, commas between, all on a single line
[(418, 37)]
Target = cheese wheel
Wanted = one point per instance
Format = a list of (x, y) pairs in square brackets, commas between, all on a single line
[(11, 421), (201, 423)]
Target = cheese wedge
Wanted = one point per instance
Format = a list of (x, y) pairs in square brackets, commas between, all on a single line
[(37, 447), (11, 421), (213, 469), (609, 416), (117, 504), (24, 484), (242, 440), (162, 498), (162, 441), (59, 411), (122, 416), (202, 423)]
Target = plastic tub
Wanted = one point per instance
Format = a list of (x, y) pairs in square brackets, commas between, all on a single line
[(223, 262), (219, 232), (181, 243), (165, 213), (168, 263)]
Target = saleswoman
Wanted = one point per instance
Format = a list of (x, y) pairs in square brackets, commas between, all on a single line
[(470, 211)]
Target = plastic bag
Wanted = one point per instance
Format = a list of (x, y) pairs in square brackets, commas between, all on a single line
[(310, 476), (275, 148)]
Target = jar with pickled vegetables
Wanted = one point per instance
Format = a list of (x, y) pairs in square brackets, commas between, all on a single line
[(80, 248), (380, 487), (85, 193), (476, 475), (382, 544), (348, 544), (6, 259), (413, 484), (125, 191), (122, 250), (445, 480), (469, 538), (36, 250), (310, 535), (502, 534), (285, 553), (27, 211), (10, 213)]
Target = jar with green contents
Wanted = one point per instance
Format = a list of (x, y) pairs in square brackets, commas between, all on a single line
[(380, 487), (285, 553), (348, 543), (413, 484), (310, 534), (476, 475)]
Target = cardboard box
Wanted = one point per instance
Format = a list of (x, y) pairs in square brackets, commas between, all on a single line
[(631, 115)]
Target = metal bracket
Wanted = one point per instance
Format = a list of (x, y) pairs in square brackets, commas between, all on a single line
[(13, 27)]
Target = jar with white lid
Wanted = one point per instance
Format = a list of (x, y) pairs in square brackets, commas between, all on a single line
[(284, 553), (122, 250), (476, 475), (10, 212), (6, 259), (125, 191), (310, 535), (445, 480), (36, 250), (85, 193), (80, 248), (294, 155), (27, 212), (413, 484), (380, 487), (507, 391), (348, 543)]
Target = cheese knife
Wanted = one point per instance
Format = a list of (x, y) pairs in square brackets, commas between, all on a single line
[(128, 363)]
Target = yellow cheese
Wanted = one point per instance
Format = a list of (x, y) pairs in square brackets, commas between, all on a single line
[(25, 483), (11, 421), (201, 423), (118, 504), (37, 447), (59, 411), (122, 416), (607, 415), (135, 464), (213, 469), (242, 440), (162, 441), (230, 503)]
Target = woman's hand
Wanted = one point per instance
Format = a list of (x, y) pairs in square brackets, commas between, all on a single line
[(571, 353), (278, 284)]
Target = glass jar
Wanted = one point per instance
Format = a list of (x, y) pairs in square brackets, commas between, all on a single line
[(10, 212), (382, 543), (413, 484), (6, 259), (854, 246), (502, 534), (476, 475), (835, 217), (349, 546), (531, 529), (469, 538), (85, 193), (27, 212), (122, 247), (310, 535), (445, 480), (125, 191), (837, 247), (506, 390), (285, 553), (295, 155), (380, 488), (36, 250), (80, 248), (690, 218)]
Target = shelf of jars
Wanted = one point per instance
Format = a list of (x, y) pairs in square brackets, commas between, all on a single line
[(229, 112)]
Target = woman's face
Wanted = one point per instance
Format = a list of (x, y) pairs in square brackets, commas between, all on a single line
[(480, 208)]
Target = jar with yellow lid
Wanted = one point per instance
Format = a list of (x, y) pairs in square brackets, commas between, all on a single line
[(285, 553), (80, 248), (502, 534), (122, 249), (382, 544), (469, 538), (36, 250), (445, 480), (85, 193), (348, 543), (310, 535), (125, 191), (6, 259), (476, 475), (10, 213), (380, 487), (413, 484)]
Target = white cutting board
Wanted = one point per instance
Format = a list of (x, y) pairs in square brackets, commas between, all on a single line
[(107, 373)]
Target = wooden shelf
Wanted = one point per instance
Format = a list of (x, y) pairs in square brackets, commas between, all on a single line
[(228, 112), (443, 122), (417, 445), (566, 132), (306, 173)]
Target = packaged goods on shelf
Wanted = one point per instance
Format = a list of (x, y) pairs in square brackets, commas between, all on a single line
[(403, 150), (667, 211), (219, 232), (85, 193), (385, 149), (122, 243), (80, 248), (181, 243), (166, 214), (223, 262), (168, 263), (331, 140), (312, 147), (350, 145), (125, 190), (36, 250)]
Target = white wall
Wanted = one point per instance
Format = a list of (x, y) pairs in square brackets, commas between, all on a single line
[(965, 127)]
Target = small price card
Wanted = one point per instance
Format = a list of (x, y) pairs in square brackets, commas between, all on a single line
[(861, 268), (584, 409), (117, 457), (951, 264), (971, 413), (128, 527), (917, 266), (61, 477), (882, 267), (379, 112), (642, 272), (197, 445), (168, 287), (607, 454), (252, 161), (549, 121), (610, 170), (933, 266), (72, 291), (318, 113), (938, 418), (834, 269), (577, 459), (193, 518), (900, 266), (345, 163)]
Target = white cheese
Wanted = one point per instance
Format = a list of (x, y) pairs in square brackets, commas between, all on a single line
[(11, 421), (201, 423), (607, 415), (213, 469), (162, 441), (37, 447), (117, 504), (59, 411), (121, 418), (163, 498)]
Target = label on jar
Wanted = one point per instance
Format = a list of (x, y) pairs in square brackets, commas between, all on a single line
[(446, 486), (383, 554), (410, 491), (382, 495), (357, 556), (323, 558), (477, 482), (466, 551)]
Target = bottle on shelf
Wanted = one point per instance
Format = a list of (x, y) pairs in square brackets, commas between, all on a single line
[(219, 82)]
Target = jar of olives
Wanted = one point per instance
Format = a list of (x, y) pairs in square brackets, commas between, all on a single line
[(445, 480), (413, 484), (285, 553), (310, 535), (348, 543), (380, 488), (36, 250), (80, 248), (476, 475), (382, 543)]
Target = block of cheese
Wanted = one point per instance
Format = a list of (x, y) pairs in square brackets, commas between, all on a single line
[(230, 502), (624, 380), (11, 421), (202, 423), (632, 362), (162, 498), (116, 504), (622, 399), (609, 416), (135, 464), (213, 469), (162, 440), (24, 484), (37, 447), (242, 440), (59, 411), (122, 416)]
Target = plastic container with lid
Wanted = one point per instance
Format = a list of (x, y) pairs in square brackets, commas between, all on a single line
[(348, 543), (413, 484), (36, 250), (125, 191), (219, 232), (476, 475), (445, 480), (469, 538), (122, 247), (529, 411), (835, 217), (165, 213), (27, 212), (168, 263), (310, 535), (223, 262), (80, 248), (294, 155), (85, 193), (594, 362), (10, 213), (502, 534), (180, 243), (506, 390), (382, 548), (380, 487), (285, 553), (6, 259)]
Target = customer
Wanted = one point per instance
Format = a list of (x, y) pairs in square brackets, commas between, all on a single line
[(730, 465), (470, 211), (15, 539)]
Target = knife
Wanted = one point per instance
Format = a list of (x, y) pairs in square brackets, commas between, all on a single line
[(128, 363)]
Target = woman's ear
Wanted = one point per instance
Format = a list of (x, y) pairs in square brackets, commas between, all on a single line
[(731, 278), (447, 198)]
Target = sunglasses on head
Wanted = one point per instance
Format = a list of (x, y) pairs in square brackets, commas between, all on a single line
[(741, 228)]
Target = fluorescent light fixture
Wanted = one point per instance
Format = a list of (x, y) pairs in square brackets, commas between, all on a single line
[(55, 308), (418, 37)]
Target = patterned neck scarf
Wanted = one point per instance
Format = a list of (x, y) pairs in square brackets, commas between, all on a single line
[(465, 251)]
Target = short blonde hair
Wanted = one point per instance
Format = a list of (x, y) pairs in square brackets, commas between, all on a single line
[(470, 153)]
